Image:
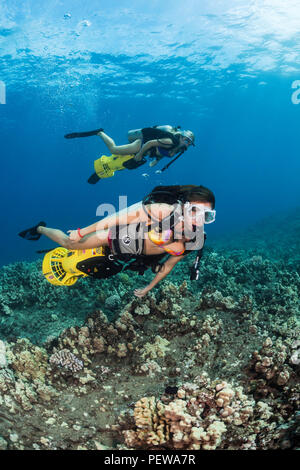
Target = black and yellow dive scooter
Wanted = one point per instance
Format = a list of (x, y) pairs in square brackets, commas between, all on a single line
[(63, 267)]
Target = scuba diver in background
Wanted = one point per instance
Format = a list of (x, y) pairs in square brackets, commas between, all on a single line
[(157, 142), (168, 222)]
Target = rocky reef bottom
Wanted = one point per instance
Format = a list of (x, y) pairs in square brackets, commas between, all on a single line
[(208, 365)]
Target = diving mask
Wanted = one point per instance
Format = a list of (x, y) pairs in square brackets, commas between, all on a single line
[(188, 137), (200, 214)]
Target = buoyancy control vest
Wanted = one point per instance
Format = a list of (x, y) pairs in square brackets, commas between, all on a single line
[(157, 133), (151, 133)]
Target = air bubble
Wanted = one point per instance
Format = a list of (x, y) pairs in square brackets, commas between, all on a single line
[(85, 23)]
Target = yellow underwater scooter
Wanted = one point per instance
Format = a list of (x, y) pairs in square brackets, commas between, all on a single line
[(106, 166), (62, 267)]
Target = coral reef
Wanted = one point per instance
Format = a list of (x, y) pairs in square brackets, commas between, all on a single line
[(207, 365), (197, 418), (233, 386)]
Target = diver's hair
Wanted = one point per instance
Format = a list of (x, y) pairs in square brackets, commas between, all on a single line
[(198, 194), (192, 193)]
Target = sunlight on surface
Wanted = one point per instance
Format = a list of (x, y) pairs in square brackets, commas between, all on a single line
[(261, 35)]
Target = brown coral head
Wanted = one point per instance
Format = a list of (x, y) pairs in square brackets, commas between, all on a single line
[(66, 360)]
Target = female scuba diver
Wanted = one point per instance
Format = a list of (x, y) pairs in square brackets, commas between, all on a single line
[(156, 141), (168, 222)]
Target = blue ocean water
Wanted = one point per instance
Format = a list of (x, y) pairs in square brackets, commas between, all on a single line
[(228, 70)]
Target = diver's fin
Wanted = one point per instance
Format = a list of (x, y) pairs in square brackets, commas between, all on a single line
[(31, 233), (93, 179), (75, 135)]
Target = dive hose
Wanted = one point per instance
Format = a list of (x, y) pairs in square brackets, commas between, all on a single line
[(172, 161)]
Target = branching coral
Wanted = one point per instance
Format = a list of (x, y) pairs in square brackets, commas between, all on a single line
[(270, 364), (156, 349), (198, 418), (23, 382), (67, 360)]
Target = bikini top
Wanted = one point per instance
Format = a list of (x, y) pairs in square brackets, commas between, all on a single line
[(161, 231), (162, 238), (164, 152)]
